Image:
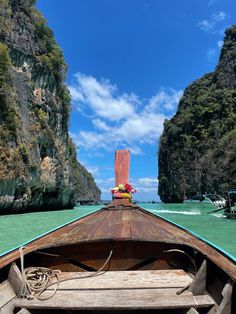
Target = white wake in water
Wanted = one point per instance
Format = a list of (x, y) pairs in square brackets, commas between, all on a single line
[(219, 215), (166, 211)]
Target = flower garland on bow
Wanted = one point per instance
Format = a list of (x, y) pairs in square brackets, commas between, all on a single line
[(123, 191)]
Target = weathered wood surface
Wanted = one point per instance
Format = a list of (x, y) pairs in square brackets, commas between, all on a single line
[(146, 279), (225, 305), (8, 308), (122, 164), (198, 285), (6, 293), (15, 279), (119, 299), (127, 224)]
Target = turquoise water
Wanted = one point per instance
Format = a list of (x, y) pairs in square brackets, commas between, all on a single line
[(215, 228), (17, 230)]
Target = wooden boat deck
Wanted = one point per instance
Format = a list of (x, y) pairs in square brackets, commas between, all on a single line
[(118, 280), (125, 224), (120, 290), (132, 299)]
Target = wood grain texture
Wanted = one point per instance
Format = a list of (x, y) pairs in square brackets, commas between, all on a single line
[(147, 279), (15, 279), (119, 299), (8, 308), (6, 293), (122, 164)]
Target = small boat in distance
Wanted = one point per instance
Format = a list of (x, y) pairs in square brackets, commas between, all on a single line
[(215, 200)]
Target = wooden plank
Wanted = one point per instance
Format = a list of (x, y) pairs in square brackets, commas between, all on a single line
[(226, 303), (145, 279), (118, 299), (15, 279), (7, 308), (198, 285), (6, 293)]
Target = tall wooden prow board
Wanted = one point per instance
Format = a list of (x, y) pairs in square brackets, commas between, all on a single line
[(122, 164)]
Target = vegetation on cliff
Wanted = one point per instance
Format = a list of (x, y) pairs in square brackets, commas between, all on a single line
[(197, 151), (38, 168), (8, 118)]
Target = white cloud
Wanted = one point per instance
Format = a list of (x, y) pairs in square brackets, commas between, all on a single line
[(75, 94), (135, 150), (209, 25), (102, 98), (101, 125), (166, 99), (106, 181), (146, 185), (120, 120), (148, 181), (219, 16), (220, 43), (205, 25), (146, 190), (144, 127)]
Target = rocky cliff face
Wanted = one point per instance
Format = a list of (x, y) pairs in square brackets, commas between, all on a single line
[(197, 150), (38, 166)]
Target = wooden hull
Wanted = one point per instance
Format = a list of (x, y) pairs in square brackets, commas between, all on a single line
[(147, 261)]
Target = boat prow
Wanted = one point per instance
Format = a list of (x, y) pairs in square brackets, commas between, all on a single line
[(121, 258)]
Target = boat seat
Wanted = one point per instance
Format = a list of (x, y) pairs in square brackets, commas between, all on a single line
[(118, 299), (141, 279), (149, 289)]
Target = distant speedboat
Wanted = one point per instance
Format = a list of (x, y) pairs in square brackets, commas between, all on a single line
[(214, 199)]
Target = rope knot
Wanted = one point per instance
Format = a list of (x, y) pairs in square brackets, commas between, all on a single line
[(35, 280)]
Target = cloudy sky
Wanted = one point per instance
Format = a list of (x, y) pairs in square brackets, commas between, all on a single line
[(129, 62)]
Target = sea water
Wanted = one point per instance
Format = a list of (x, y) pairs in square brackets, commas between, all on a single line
[(17, 230), (215, 227)]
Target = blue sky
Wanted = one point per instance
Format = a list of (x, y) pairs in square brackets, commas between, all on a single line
[(129, 62)]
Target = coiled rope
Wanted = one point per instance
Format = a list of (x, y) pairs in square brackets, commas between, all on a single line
[(36, 280)]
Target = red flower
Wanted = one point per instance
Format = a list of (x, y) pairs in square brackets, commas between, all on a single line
[(128, 187)]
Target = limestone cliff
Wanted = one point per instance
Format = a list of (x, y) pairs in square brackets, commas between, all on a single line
[(38, 166), (197, 151)]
